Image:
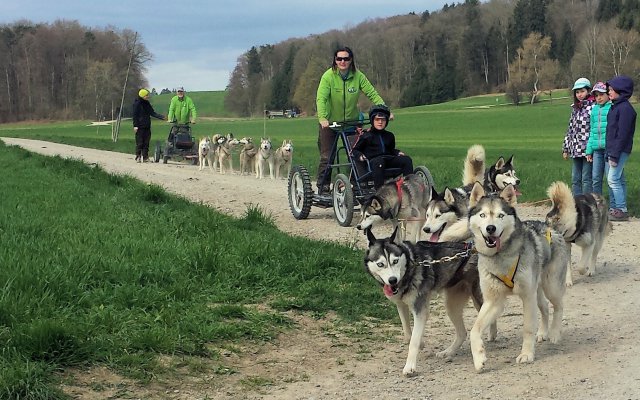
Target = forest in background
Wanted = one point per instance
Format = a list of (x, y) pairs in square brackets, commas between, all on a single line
[(523, 48)]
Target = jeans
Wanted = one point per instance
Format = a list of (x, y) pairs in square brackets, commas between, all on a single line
[(597, 170), (617, 183), (581, 176)]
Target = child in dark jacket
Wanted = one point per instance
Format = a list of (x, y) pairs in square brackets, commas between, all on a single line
[(378, 145), (142, 113), (621, 126), (575, 140)]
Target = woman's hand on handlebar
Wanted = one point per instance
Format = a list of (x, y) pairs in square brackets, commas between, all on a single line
[(324, 124)]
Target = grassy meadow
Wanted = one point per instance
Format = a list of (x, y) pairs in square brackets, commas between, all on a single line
[(105, 270)]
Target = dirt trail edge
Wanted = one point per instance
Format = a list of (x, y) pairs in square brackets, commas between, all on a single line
[(597, 358)]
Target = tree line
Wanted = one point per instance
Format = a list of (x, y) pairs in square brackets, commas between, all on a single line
[(64, 70), (520, 47)]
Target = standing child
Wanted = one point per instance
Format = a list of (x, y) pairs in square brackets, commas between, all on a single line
[(575, 141), (597, 135), (621, 126)]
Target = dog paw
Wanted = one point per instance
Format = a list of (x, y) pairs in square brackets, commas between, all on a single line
[(409, 371), (582, 270), (568, 283), (479, 362), (525, 358), (541, 337), (554, 337), (446, 354), (590, 272)]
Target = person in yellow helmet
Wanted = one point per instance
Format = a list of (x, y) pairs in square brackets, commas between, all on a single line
[(142, 113)]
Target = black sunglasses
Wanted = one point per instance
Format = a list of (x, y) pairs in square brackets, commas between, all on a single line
[(343, 58)]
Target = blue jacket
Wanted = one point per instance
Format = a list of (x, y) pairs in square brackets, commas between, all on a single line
[(598, 127), (621, 120)]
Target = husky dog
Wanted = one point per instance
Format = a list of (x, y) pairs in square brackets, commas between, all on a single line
[(582, 220), (264, 156), (224, 151), (446, 216), (410, 274), (501, 174), (283, 157), (403, 199), (217, 140), (247, 156), (204, 153), (523, 258)]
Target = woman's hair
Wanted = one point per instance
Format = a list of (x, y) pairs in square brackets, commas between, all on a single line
[(352, 67)]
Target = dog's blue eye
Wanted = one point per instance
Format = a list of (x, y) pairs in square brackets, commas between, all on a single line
[(380, 265), (482, 215), (395, 262)]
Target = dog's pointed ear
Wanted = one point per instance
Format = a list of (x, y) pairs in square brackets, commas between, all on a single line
[(500, 163), (508, 194), (370, 236), (476, 194), (509, 161), (448, 196), (376, 204), (394, 235), (434, 193)]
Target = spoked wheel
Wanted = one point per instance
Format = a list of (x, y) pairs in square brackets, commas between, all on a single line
[(343, 200), (157, 153), (424, 173), (300, 192)]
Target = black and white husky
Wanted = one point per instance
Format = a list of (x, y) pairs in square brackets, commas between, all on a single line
[(522, 258), (583, 220), (410, 274)]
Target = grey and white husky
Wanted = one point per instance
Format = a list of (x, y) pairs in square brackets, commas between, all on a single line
[(403, 201), (526, 259), (583, 220), (410, 274)]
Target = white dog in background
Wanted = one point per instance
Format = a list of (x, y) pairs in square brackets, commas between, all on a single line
[(263, 158), (283, 157), (205, 153)]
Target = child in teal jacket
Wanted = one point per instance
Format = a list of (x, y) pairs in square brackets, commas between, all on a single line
[(597, 137)]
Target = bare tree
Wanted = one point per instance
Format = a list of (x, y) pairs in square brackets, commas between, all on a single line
[(620, 45)]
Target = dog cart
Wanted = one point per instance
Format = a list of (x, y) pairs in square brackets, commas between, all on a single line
[(180, 143), (352, 183)]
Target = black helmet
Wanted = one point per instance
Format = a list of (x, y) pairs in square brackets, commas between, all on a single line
[(379, 110)]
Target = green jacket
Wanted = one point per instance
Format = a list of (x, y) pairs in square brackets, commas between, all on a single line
[(598, 126), (182, 111), (337, 99)]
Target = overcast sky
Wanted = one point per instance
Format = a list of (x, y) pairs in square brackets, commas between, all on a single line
[(196, 43)]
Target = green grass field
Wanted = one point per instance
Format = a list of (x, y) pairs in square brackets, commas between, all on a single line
[(89, 279)]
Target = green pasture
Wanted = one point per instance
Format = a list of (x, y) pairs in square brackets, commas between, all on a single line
[(105, 270), (436, 136), (208, 104)]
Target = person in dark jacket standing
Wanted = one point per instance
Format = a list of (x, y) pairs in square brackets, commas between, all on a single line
[(621, 126), (142, 113), (378, 145)]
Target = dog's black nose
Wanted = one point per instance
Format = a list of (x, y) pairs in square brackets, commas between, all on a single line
[(426, 229), (491, 229), (393, 280), (517, 182)]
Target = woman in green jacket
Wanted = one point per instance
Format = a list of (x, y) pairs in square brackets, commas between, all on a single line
[(337, 100)]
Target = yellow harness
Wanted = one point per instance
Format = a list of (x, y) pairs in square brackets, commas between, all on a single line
[(508, 278)]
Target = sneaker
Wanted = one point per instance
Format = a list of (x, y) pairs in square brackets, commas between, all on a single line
[(137, 158), (324, 189), (618, 215)]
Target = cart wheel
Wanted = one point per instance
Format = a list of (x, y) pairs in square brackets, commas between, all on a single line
[(299, 192), (158, 153), (424, 173), (343, 200)]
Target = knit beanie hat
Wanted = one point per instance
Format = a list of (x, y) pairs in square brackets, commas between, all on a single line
[(582, 83), (143, 92)]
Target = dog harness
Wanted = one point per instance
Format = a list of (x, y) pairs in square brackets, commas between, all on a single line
[(508, 278)]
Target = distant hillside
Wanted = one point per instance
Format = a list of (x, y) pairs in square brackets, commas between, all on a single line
[(208, 104)]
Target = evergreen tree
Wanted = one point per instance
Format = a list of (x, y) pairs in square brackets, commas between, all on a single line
[(608, 9), (418, 92), (566, 46), (281, 87)]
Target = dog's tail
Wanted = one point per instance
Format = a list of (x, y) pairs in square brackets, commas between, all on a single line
[(563, 215), (474, 165)]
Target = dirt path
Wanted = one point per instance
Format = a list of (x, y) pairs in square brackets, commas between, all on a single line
[(598, 357)]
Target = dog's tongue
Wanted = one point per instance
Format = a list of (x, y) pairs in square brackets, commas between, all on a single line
[(387, 291), (498, 244), (518, 193), (434, 237)]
